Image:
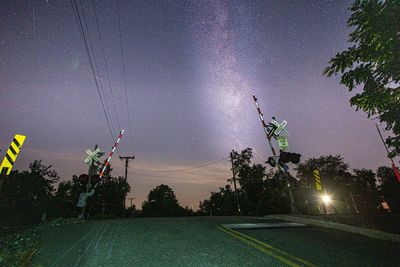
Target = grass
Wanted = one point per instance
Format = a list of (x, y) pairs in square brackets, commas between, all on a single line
[(20, 246)]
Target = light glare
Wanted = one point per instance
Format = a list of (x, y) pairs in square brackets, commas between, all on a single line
[(327, 199)]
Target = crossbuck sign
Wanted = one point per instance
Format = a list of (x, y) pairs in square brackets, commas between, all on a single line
[(274, 128), (93, 156)]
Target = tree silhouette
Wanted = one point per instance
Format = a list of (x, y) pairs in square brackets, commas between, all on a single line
[(251, 179), (259, 193), (373, 63), (220, 203), (333, 171), (162, 202), (27, 195), (110, 196), (389, 187)]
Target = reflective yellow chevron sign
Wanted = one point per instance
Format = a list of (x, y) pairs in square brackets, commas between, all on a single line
[(12, 153), (317, 178)]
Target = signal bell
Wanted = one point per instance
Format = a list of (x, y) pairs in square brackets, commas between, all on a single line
[(271, 161), (287, 157)]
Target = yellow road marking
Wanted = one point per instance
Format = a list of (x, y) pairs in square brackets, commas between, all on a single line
[(272, 248), (269, 252), (268, 249)]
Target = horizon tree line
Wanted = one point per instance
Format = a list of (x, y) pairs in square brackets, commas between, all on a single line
[(28, 195)]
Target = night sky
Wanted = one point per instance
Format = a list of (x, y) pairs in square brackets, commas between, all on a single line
[(191, 68)]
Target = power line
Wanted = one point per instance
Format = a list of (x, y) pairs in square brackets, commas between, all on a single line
[(124, 76), (95, 63), (85, 42), (105, 62), (186, 169)]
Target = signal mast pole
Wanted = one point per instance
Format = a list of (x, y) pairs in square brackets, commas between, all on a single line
[(264, 125)]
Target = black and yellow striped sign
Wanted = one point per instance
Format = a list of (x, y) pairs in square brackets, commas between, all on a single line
[(317, 178), (12, 153)]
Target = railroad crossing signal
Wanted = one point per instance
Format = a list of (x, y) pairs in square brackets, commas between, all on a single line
[(12, 153), (287, 157), (271, 161), (279, 127), (107, 162), (93, 156), (274, 128), (282, 142), (270, 130)]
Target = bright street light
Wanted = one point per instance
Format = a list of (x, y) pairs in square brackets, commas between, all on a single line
[(326, 199)]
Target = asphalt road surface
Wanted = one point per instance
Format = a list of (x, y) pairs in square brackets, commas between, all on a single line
[(203, 241)]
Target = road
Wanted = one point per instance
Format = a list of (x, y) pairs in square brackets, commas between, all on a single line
[(202, 241)]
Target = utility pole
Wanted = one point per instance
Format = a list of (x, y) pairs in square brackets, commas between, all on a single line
[(126, 164), (234, 184), (127, 158), (131, 199), (292, 201)]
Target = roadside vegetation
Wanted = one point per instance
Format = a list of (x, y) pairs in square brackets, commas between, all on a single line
[(369, 66)]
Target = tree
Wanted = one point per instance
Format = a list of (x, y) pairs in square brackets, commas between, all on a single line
[(330, 167), (260, 193), (238, 162), (131, 211), (275, 197), (333, 172), (363, 190), (363, 181), (251, 180), (389, 187), (109, 198), (220, 203), (66, 198), (27, 195), (63, 201), (373, 63), (162, 202)]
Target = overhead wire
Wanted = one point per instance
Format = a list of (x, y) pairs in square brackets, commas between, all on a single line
[(185, 169), (105, 62), (124, 76), (78, 20), (95, 63)]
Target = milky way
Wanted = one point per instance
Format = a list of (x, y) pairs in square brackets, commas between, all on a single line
[(191, 67)]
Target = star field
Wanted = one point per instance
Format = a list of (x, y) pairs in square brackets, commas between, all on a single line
[(191, 67)]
